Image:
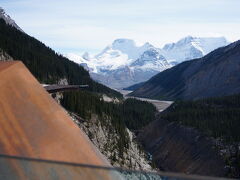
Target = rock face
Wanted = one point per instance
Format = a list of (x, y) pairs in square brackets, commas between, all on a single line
[(123, 63), (4, 56), (216, 74), (179, 149), (106, 139)]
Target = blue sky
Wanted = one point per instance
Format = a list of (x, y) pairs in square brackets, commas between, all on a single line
[(77, 26)]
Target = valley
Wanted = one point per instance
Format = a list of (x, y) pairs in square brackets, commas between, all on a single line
[(160, 105), (105, 123), (182, 114), (192, 136)]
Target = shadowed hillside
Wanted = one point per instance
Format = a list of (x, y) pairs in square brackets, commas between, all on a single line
[(216, 74), (192, 136)]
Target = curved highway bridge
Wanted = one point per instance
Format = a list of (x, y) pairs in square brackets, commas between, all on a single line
[(60, 88)]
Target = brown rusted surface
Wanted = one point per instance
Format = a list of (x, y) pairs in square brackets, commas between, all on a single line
[(33, 125), (5, 65)]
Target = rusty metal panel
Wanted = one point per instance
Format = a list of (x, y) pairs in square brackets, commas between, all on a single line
[(33, 125)]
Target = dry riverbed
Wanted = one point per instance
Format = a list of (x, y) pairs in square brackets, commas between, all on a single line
[(160, 105)]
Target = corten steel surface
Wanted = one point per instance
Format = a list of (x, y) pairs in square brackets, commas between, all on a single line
[(33, 125)]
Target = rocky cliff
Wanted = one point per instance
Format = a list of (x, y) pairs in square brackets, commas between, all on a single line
[(4, 56), (105, 139)]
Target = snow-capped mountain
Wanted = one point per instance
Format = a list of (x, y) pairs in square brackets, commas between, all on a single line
[(8, 19), (123, 63), (122, 52), (151, 59), (149, 63), (192, 48)]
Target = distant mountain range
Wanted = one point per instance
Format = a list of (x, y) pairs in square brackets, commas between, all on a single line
[(216, 74), (123, 63)]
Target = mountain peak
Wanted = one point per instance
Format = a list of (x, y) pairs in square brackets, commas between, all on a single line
[(186, 39), (8, 19), (2, 12), (191, 47), (147, 45), (124, 49), (86, 56), (143, 61), (123, 40), (121, 43), (188, 81)]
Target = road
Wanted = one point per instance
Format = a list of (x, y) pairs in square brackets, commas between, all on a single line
[(160, 105), (60, 88)]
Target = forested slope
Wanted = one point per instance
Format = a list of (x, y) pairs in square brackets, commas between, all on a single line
[(107, 124), (202, 133), (45, 64), (114, 118), (217, 117)]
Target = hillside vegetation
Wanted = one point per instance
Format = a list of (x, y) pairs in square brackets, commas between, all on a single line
[(115, 118), (131, 113), (214, 117), (45, 64), (217, 117)]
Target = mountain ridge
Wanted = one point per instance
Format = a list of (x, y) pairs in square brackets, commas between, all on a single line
[(215, 74), (142, 62), (52, 68), (196, 47), (8, 19), (45, 64)]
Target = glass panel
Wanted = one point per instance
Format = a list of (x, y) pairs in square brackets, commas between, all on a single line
[(12, 168)]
